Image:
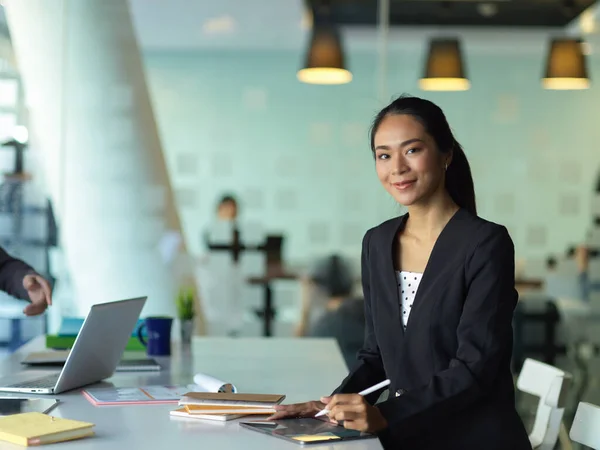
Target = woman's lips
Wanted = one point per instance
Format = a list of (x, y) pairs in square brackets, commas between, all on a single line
[(403, 185)]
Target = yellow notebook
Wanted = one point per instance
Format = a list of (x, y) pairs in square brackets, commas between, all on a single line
[(37, 429), (224, 409)]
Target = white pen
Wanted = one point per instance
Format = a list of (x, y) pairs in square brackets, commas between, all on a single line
[(363, 393)]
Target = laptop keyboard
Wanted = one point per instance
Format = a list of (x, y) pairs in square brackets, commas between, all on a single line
[(44, 382)]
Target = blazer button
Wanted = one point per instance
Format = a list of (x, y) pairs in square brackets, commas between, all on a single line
[(399, 392)]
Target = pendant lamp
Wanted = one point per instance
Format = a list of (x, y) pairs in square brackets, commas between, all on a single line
[(566, 67), (325, 61), (444, 67)]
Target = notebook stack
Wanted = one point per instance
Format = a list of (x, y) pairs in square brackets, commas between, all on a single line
[(226, 406)]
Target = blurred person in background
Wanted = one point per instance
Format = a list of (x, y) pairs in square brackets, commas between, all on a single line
[(227, 213), (582, 256), (328, 309), (20, 280), (551, 264)]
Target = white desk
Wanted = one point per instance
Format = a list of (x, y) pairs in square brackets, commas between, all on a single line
[(303, 369)]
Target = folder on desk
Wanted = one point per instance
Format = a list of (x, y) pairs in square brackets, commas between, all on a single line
[(153, 394), (69, 328), (57, 342)]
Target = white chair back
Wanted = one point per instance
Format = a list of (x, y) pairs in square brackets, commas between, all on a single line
[(586, 425), (550, 384)]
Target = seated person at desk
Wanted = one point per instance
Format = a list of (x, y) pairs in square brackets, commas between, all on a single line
[(582, 257), (569, 285), (558, 284), (21, 281), (338, 316), (439, 288)]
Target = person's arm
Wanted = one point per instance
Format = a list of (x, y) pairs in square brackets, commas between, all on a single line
[(484, 340), (12, 273), (369, 369), (306, 293)]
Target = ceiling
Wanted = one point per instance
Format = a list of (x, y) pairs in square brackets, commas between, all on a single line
[(180, 25), (481, 13)]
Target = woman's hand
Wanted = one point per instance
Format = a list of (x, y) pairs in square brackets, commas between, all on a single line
[(308, 409), (355, 412)]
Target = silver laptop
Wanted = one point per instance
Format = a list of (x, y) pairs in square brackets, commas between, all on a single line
[(95, 354)]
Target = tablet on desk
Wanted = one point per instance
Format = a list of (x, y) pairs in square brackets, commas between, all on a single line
[(57, 359), (305, 431), (18, 405)]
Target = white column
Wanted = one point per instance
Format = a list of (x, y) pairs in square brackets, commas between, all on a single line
[(92, 120)]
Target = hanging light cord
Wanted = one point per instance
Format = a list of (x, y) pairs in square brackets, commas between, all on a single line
[(384, 26)]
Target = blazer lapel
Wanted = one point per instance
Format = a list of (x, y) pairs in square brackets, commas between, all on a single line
[(443, 246), (390, 278)]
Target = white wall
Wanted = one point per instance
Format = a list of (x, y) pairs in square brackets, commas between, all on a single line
[(298, 155)]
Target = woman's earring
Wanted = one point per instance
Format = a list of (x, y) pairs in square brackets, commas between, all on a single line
[(446, 166)]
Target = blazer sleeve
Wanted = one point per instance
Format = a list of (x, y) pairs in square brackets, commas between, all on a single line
[(12, 272), (484, 340), (369, 368)]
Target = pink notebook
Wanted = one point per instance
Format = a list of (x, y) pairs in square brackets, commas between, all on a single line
[(144, 395)]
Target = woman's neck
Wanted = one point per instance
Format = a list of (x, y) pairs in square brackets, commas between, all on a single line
[(426, 221)]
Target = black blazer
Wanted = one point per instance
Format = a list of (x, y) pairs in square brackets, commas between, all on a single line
[(451, 383), (12, 272)]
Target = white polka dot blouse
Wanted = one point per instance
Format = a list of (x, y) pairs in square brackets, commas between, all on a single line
[(408, 282)]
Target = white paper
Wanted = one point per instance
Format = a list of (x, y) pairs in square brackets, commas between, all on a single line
[(206, 383)]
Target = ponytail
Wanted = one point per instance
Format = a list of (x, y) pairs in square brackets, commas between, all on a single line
[(459, 181)]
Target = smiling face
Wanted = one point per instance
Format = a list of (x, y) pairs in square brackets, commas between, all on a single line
[(407, 160)]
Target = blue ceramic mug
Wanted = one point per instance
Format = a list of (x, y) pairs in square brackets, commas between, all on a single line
[(158, 333)]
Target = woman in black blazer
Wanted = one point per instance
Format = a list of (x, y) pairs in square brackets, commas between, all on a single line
[(439, 299)]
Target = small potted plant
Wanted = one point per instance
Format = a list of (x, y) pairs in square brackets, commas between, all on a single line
[(185, 312)]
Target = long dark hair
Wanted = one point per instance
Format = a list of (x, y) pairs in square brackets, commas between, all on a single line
[(459, 181)]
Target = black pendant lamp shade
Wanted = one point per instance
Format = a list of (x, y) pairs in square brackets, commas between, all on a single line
[(566, 67), (325, 62), (444, 67)]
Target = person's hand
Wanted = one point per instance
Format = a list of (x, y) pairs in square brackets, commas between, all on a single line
[(582, 258), (355, 413), (308, 409), (39, 292)]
